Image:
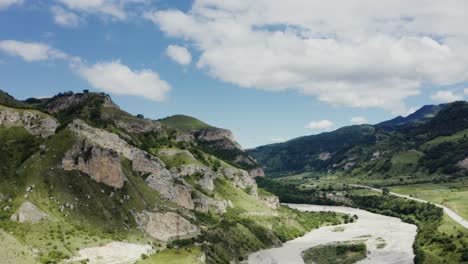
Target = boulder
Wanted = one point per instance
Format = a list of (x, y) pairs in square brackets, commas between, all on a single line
[(29, 213), (166, 226)]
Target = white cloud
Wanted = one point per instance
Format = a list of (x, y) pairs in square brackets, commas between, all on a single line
[(65, 18), (323, 125), (116, 9), (465, 91), (445, 96), (117, 78), (357, 53), (179, 54), (4, 4), (278, 140), (31, 51), (359, 120)]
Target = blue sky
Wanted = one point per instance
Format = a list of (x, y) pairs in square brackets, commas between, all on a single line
[(286, 86)]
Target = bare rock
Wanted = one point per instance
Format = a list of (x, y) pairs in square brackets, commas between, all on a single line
[(463, 164), (102, 165), (34, 122), (165, 183), (325, 156), (29, 213), (166, 226), (204, 203), (256, 172)]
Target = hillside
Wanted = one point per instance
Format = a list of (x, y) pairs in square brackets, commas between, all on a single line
[(80, 176), (430, 144)]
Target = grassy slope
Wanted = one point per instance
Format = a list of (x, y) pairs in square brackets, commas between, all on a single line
[(13, 252), (184, 123)]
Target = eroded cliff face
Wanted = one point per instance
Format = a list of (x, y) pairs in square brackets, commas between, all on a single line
[(102, 165), (221, 138), (34, 122)]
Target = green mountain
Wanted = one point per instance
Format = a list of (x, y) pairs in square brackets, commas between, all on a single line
[(78, 175), (430, 144)]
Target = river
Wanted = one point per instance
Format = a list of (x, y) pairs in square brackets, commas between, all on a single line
[(376, 230)]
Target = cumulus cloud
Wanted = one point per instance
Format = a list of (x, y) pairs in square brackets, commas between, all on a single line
[(4, 4), (322, 125), (445, 96), (179, 54), (31, 51), (354, 53), (115, 77), (359, 120), (65, 18)]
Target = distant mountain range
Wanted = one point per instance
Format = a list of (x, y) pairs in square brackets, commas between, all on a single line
[(431, 143)]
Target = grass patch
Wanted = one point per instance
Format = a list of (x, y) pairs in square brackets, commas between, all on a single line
[(188, 255), (184, 123)]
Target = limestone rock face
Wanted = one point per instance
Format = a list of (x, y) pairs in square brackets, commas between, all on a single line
[(29, 213), (256, 172), (160, 179), (185, 137), (165, 183), (34, 122), (62, 103), (166, 226), (138, 126), (204, 203), (220, 138), (102, 165)]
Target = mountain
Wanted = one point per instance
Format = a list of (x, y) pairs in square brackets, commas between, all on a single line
[(420, 116), (78, 175), (430, 144)]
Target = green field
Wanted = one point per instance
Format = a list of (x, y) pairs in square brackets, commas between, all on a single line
[(191, 255), (453, 195)]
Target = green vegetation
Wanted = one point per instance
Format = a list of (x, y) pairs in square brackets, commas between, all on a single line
[(342, 253), (451, 194), (187, 255), (184, 123)]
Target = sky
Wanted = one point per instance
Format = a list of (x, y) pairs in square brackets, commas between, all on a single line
[(269, 70)]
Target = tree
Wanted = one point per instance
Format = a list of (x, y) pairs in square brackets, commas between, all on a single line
[(385, 191), (140, 116), (86, 91)]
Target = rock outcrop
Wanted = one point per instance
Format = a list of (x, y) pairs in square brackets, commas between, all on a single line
[(61, 103), (34, 122), (256, 172), (102, 165), (159, 179), (29, 213), (171, 188), (221, 138), (166, 226)]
